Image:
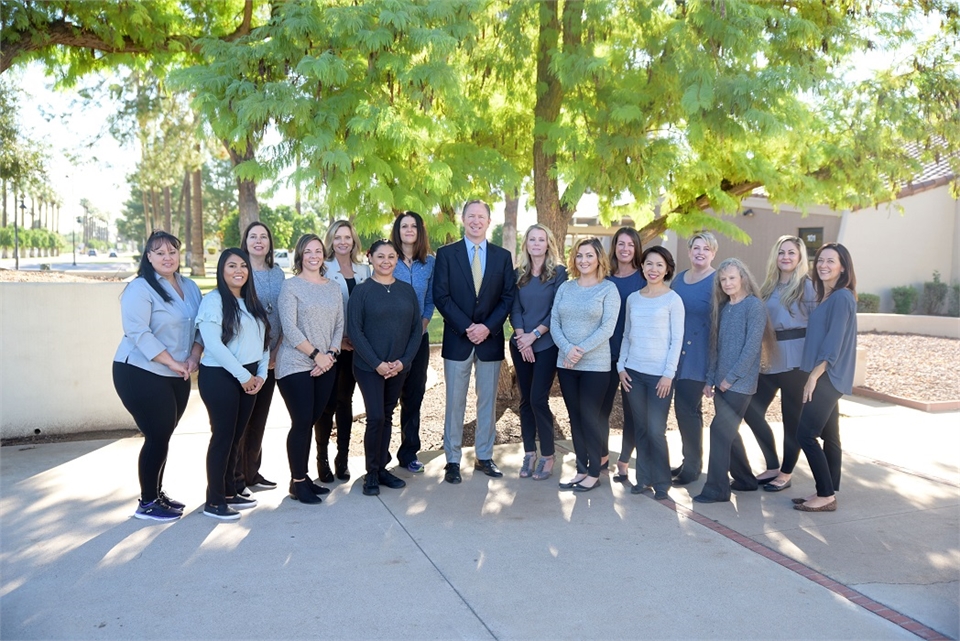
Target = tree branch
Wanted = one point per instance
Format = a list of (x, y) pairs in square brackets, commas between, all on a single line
[(659, 225)]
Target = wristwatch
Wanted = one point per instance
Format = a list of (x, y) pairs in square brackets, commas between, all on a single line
[(314, 353), (536, 332)]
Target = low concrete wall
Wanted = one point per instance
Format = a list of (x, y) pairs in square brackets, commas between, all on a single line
[(57, 342), (942, 326)]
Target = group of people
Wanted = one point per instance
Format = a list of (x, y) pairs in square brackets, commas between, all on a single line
[(602, 323)]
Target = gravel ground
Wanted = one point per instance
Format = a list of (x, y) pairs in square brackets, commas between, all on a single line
[(921, 368)]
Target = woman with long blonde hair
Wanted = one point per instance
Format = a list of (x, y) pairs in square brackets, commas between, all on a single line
[(739, 329), (532, 349), (789, 298)]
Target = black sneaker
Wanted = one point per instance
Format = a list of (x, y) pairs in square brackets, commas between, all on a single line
[(371, 486), (169, 502), (156, 511), (263, 484), (390, 480), (223, 512), (240, 502)]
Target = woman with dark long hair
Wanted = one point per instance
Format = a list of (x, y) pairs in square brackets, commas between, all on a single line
[(235, 332), (268, 278), (534, 354), (626, 274), (152, 366), (830, 357), (311, 312), (384, 323), (414, 267)]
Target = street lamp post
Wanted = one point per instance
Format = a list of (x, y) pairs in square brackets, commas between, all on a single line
[(16, 234), (75, 241)]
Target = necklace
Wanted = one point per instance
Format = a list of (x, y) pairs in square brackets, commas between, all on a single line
[(385, 286)]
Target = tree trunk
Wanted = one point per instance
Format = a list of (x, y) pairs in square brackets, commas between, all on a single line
[(155, 208), (510, 224), (167, 223), (450, 214), (196, 262), (147, 227), (177, 216), (246, 188), (187, 218), (4, 204), (546, 192)]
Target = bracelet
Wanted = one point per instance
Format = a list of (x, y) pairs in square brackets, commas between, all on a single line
[(314, 353), (332, 355)]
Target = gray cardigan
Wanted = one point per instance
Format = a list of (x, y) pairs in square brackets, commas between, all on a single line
[(736, 357)]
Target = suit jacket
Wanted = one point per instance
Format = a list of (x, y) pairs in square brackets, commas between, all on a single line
[(460, 306)]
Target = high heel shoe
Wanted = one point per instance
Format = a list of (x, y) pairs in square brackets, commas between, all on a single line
[(303, 492), (529, 462), (544, 468), (324, 475)]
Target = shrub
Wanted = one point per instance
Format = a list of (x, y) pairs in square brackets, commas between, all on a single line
[(934, 296), (953, 309), (903, 299), (868, 303)]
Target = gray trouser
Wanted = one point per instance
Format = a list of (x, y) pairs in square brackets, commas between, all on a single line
[(456, 375)]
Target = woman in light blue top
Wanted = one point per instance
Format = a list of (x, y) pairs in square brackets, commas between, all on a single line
[(235, 331), (152, 366), (343, 267), (652, 338), (788, 295), (584, 316), (415, 267)]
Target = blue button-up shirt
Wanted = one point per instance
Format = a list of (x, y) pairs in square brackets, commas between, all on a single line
[(420, 276)]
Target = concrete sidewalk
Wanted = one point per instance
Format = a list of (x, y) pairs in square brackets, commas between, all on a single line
[(502, 558)]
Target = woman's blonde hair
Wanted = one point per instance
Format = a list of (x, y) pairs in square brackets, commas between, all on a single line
[(706, 237), (334, 228), (550, 260), (793, 291), (604, 262), (720, 300)]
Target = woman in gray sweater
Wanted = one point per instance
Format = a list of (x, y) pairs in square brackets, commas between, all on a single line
[(582, 321), (739, 328)]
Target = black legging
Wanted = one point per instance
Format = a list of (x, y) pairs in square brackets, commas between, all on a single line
[(229, 408), (340, 404), (790, 384), (582, 394), (411, 398), (251, 443), (305, 397), (820, 418), (380, 397), (534, 381), (727, 454), (156, 404)]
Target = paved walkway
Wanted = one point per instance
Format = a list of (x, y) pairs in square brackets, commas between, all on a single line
[(492, 558)]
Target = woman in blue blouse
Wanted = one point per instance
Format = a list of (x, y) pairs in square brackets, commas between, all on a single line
[(152, 366), (695, 287), (625, 252), (532, 349), (830, 348), (415, 267), (235, 331)]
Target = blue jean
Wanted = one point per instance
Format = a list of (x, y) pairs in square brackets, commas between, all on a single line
[(650, 428)]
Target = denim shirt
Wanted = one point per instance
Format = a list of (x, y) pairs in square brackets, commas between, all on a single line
[(420, 276), (151, 325)]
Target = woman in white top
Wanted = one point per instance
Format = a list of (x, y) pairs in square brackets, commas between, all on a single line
[(344, 268), (652, 340), (235, 332)]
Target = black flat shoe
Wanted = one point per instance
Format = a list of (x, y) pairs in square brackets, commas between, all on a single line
[(676, 471), (620, 478), (681, 481), (639, 488), (742, 487), (770, 487), (452, 473), (569, 485), (661, 495), (583, 488), (700, 498), (371, 485), (389, 480), (342, 472)]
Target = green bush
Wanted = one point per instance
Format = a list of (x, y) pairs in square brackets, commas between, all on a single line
[(868, 303), (953, 309), (903, 299), (934, 296)]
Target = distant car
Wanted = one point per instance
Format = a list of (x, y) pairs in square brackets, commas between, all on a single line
[(92, 252), (282, 257), (113, 254)]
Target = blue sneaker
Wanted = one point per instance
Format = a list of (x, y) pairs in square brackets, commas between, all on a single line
[(156, 511), (415, 466)]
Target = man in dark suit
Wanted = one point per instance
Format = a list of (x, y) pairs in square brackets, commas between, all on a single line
[(473, 288)]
